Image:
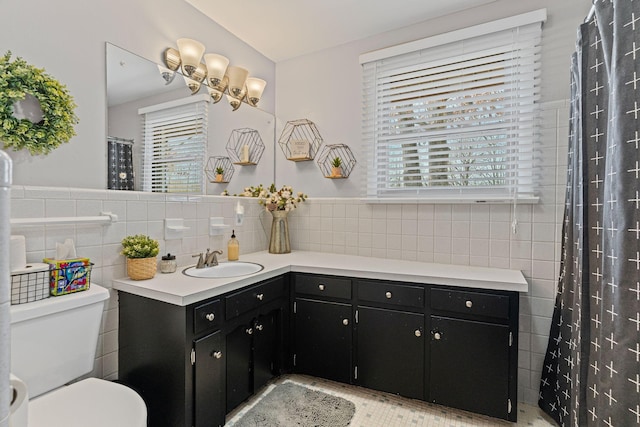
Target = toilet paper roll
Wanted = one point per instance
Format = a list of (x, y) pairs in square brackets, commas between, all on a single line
[(18, 410), (34, 267), (17, 253)]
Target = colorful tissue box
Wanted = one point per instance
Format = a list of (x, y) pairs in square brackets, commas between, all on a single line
[(69, 275)]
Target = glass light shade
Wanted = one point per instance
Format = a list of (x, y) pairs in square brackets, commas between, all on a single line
[(193, 85), (255, 87), (216, 67), (237, 78), (190, 53)]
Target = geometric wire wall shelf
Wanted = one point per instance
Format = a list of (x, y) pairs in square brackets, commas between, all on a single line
[(245, 147), (336, 161), (300, 140), (219, 169)]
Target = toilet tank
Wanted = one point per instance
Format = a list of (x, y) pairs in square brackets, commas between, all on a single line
[(53, 341)]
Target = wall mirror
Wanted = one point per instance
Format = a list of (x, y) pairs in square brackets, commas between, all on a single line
[(134, 82)]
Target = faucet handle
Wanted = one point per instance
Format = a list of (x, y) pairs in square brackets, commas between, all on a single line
[(200, 263)]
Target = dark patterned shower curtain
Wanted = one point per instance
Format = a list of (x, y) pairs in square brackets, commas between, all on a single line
[(119, 164), (591, 372)]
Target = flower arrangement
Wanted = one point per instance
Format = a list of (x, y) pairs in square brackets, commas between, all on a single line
[(139, 246), (272, 198), (19, 79)]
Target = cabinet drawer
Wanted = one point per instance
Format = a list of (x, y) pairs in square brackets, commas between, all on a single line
[(391, 293), (470, 302), (207, 316), (248, 299), (326, 286)]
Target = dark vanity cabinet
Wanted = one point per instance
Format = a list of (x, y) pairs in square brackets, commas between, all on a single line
[(390, 336), (192, 364), (473, 350), (453, 346), (449, 345), (323, 331)]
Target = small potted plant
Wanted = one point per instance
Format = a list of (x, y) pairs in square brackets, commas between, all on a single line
[(141, 252), (336, 169), (219, 174)]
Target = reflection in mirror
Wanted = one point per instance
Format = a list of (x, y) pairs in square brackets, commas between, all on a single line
[(135, 83)]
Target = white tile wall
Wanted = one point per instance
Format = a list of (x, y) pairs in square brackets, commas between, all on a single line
[(479, 235)]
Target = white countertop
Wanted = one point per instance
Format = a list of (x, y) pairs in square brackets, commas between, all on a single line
[(180, 289)]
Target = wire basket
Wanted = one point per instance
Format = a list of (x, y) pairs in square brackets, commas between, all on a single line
[(29, 287), (38, 285)]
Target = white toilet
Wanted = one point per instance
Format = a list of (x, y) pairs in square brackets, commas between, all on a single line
[(53, 342)]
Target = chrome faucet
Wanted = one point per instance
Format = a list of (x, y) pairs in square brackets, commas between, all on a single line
[(211, 258)]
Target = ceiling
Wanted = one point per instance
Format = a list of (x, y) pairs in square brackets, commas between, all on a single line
[(285, 29)]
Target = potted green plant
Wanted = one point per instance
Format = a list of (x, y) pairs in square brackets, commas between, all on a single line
[(141, 252), (219, 174), (336, 169)]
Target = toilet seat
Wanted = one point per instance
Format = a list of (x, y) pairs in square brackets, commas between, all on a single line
[(90, 402)]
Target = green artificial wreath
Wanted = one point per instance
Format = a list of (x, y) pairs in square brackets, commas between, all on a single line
[(18, 78)]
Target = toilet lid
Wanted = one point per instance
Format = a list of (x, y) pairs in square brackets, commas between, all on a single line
[(90, 402)]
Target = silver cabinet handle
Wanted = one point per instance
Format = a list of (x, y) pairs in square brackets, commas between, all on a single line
[(210, 317), (345, 322), (437, 335), (260, 297), (249, 331), (469, 303), (217, 354), (388, 295), (321, 287), (259, 327), (418, 333)]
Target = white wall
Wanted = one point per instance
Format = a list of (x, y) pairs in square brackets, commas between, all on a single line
[(68, 37), (325, 87)]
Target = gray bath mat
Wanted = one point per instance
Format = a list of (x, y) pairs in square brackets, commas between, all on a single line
[(289, 405)]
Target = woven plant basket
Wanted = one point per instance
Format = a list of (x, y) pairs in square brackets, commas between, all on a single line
[(141, 268)]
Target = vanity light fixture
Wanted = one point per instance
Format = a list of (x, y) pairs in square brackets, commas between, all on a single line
[(215, 73)]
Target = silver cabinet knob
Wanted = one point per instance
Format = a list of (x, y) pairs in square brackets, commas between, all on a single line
[(345, 322), (321, 287), (418, 333), (217, 354), (259, 327), (210, 317), (260, 297), (249, 331), (437, 335), (388, 295), (469, 303)]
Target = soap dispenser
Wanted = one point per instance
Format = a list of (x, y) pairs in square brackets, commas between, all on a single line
[(233, 248)]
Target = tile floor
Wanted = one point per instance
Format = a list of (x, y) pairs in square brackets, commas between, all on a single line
[(377, 409)]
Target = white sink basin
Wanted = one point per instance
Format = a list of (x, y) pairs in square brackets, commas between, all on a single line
[(224, 269)]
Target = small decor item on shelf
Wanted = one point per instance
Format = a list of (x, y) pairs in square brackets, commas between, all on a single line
[(141, 252), (336, 170), (336, 161), (36, 111), (219, 174)]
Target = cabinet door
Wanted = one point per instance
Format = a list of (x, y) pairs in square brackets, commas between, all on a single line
[(265, 349), (208, 399), (239, 386), (469, 365), (391, 351), (323, 339)]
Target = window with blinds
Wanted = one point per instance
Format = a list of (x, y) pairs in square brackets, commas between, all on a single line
[(454, 121), (175, 147)]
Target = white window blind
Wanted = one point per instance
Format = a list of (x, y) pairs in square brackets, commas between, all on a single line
[(175, 148), (456, 121)]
